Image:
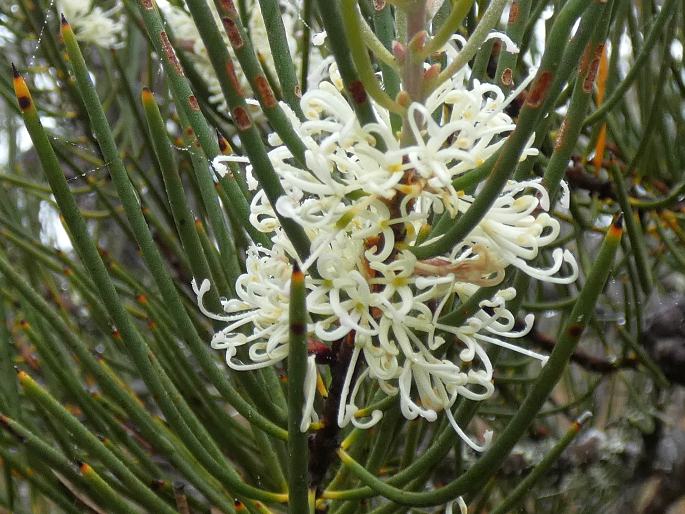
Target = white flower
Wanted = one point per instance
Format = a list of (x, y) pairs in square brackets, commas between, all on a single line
[(91, 23), (363, 210), (262, 305), (463, 509)]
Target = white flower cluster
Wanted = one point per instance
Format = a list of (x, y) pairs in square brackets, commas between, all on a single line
[(92, 23), (363, 209)]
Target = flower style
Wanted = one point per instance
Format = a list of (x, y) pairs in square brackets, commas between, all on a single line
[(91, 23), (363, 210)]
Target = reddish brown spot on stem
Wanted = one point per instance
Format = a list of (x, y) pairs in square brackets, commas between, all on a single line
[(242, 118), (562, 134), (298, 91), (506, 77), (170, 53), (230, 71), (264, 91), (233, 33), (575, 330), (147, 4), (192, 100), (229, 8), (357, 91), (298, 328), (539, 90), (379, 5), (592, 71), (514, 12)]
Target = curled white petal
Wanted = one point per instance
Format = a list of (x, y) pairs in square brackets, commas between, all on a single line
[(463, 509), (510, 46), (487, 436), (219, 166), (309, 394), (319, 38)]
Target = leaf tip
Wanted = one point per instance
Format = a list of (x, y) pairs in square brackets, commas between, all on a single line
[(146, 95), (298, 276), (617, 226), (22, 376), (224, 145), (21, 90)]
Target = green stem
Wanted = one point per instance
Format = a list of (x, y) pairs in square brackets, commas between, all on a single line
[(92, 444), (248, 132), (143, 237), (487, 22), (199, 129), (515, 497), (375, 45), (667, 9), (306, 45), (176, 415), (278, 42), (582, 94), (384, 25), (298, 473), (449, 26), (337, 38), (516, 26), (242, 47), (43, 482), (635, 234), (183, 218), (360, 57)]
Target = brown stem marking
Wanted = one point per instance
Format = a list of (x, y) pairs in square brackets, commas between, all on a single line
[(323, 445)]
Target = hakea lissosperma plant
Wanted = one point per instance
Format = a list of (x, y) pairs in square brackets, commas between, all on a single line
[(305, 274), (363, 209)]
